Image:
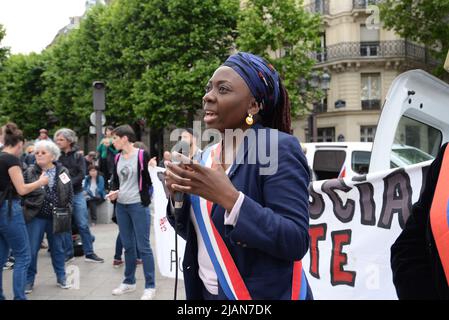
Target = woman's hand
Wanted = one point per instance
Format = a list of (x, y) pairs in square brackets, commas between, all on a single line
[(43, 179), (113, 195), (152, 162), (211, 184), (171, 178)]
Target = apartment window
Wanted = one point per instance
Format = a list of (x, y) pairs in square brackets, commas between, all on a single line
[(326, 135), (321, 55), (367, 133), (319, 6), (370, 91), (321, 106), (369, 41)]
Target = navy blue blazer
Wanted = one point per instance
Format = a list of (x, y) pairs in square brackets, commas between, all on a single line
[(272, 230)]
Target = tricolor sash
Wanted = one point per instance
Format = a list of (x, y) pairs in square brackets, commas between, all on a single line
[(439, 214), (228, 275)]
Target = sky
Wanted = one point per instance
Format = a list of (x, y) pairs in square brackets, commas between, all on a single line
[(31, 25)]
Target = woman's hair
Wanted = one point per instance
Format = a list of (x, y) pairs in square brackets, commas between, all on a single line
[(125, 131), (281, 118), (68, 134), (12, 135), (92, 167), (266, 86), (50, 146)]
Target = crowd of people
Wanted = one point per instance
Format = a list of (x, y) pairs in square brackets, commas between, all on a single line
[(244, 238), (49, 187)]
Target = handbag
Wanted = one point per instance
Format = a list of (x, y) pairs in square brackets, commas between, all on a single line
[(62, 220)]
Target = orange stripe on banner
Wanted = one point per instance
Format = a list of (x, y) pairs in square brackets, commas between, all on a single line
[(438, 214), (296, 282)]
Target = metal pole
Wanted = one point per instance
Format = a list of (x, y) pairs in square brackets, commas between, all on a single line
[(99, 106), (98, 126), (314, 125)]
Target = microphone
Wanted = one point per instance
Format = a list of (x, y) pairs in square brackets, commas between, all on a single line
[(182, 147)]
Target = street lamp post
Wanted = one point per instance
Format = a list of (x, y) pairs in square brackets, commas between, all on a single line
[(99, 106), (315, 82)]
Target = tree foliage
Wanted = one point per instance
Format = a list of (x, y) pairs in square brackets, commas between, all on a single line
[(21, 89), (186, 42), (3, 50), (284, 33), (155, 57), (420, 20)]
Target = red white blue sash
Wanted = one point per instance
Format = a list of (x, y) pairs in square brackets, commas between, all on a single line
[(228, 275), (439, 214)]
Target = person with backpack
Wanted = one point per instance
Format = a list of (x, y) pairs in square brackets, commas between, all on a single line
[(74, 162), (13, 232), (130, 190)]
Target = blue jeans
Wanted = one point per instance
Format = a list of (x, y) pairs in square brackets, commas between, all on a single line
[(134, 223), (36, 229), (81, 219), (14, 235), (119, 249)]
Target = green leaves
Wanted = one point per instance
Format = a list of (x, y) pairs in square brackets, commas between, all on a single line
[(155, 57), (422, 21), (4, 51), (284, 33)]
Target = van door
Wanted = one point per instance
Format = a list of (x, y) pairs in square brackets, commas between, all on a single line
[(415, 114)]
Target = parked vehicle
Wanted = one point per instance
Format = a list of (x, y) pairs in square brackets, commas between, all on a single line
[(330, 160)]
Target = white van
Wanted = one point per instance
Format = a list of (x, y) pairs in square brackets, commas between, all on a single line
[(330, 160)]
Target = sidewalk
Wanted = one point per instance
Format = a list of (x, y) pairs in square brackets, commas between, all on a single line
[(96, 279)]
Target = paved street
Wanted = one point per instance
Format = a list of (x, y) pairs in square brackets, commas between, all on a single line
[(96, 280)]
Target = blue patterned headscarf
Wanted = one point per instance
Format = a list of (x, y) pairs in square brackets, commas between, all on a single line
[(260, 76)]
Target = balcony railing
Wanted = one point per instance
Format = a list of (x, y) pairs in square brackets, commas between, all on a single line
[(318, 6), (372, 50), (363, 4)]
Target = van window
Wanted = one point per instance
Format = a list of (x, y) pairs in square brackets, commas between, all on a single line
[(360, 161), (419, 135), (328, 163)]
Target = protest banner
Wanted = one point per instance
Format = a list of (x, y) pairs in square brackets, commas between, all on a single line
[(353, 224)]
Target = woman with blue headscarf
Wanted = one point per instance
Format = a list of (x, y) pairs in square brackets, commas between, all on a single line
[(245, 210)]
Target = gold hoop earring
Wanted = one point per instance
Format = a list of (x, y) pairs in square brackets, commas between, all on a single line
[(249, 119)]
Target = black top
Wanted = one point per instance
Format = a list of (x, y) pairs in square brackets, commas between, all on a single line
[(76, 165), (37, 202), (7, 161), (415, 262)]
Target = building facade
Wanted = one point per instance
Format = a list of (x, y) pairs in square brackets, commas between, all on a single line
[(362, 59)]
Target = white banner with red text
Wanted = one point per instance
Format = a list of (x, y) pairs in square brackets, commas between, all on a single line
[(352, 227)]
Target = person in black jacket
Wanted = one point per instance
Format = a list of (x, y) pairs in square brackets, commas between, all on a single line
[(38, 210), (74, 162), (416, 265), (130, 187), (13, 232)]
